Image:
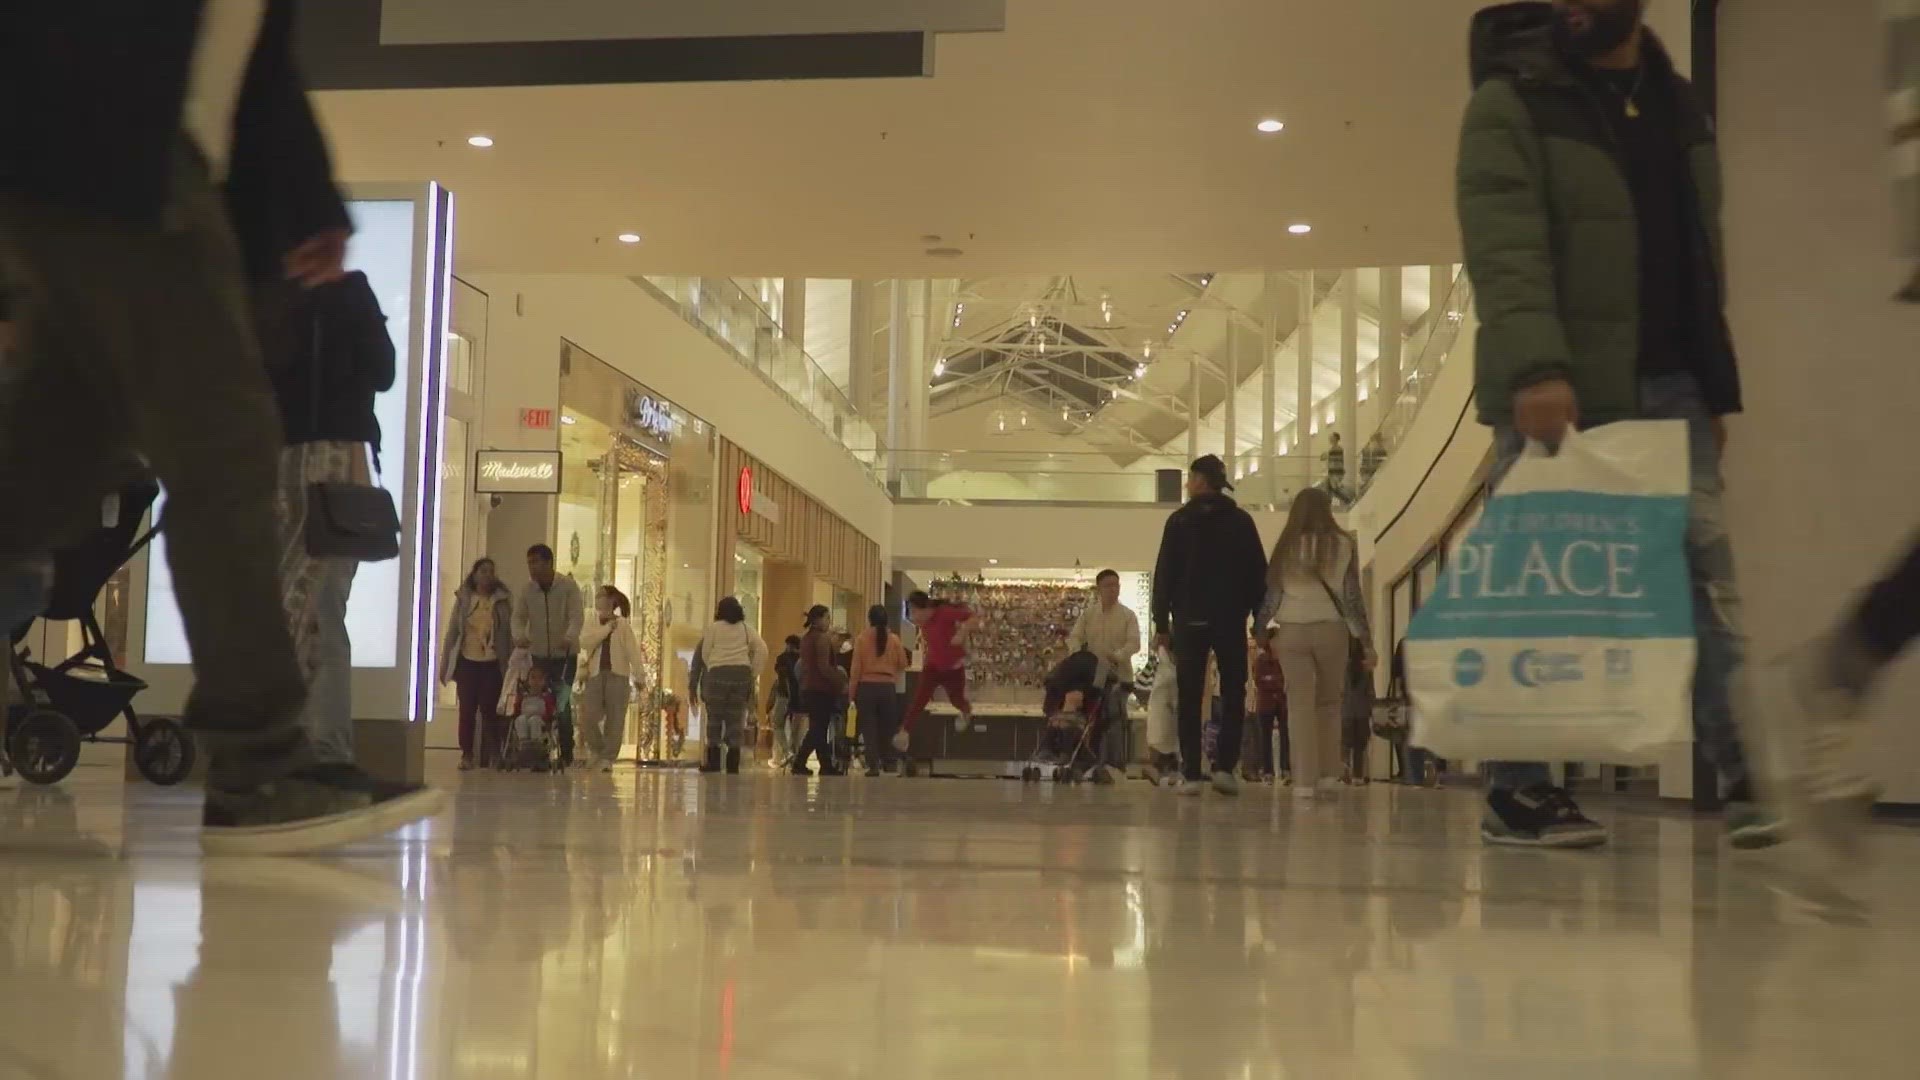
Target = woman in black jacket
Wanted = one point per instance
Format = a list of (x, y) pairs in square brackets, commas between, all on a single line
[(331, 357)]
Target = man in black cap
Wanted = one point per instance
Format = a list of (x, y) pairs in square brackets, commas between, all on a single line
[(1208, 581)]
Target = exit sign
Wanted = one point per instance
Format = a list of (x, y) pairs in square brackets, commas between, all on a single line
[(536, 419)]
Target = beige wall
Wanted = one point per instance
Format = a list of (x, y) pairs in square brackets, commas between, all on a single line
[(1820, 468)]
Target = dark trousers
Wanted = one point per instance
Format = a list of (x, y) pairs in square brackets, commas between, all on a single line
[(135, 343), (477, 685), (821, 705), (1226, 641), (560, 670), (1260, 747), (1888, 618), (879, 706)]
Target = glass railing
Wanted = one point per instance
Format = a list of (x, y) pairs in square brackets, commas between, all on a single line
[(1442, 334), (735, 320), (1002, 476)]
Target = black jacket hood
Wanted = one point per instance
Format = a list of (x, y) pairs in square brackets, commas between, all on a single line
[(1515, 41)]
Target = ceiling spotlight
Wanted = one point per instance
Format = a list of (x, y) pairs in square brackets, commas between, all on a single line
[(481, 141), (1270, 126), (1301, 229), (628, 238), (939, 367), (1140, 370), (993, 562)]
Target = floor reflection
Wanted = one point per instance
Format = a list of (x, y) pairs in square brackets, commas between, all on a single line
[(669, 925)]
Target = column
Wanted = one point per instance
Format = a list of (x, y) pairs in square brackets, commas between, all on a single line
[(1268, 374), (1349, 402), (899, 389), (793, 309), (1306, 468), (860, 365), (1193, 407), (924, 341), (1232, 443), (1392, 341)]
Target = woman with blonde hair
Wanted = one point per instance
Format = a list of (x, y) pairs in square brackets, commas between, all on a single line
[(1313, 614)]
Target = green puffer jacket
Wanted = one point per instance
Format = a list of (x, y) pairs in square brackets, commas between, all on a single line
[(1547, 219)]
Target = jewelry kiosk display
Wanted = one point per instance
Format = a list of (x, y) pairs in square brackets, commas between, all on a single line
[(403, 242)]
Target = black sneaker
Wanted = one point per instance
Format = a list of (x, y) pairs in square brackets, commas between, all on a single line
[(324, 807), (1540, 816)]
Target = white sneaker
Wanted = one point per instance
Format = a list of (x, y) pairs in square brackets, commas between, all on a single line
[(1226, 783), (1824, 721)]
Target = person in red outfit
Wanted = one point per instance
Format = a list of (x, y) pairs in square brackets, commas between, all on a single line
[(942, 626)]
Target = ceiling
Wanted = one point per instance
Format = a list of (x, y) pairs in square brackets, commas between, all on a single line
[(1108, 133)]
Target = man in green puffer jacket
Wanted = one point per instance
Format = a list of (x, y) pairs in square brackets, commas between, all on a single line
[(1589, 199)]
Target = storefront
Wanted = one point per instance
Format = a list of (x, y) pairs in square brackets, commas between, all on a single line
[(636, 511), (788, 552)]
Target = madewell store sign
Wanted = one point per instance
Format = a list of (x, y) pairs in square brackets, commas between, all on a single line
[(449, 22), (517, 472)]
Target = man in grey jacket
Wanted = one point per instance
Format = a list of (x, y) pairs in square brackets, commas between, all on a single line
[(547, 622)]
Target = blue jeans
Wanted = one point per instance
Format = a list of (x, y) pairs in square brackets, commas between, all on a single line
[(1719, 680)]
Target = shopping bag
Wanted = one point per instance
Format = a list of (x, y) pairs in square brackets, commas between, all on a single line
[(1562, 628), (1163, 706)]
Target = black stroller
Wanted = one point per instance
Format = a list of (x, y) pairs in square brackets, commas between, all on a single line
[(74, 700)]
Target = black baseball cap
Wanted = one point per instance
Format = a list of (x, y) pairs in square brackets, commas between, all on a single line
[(1215, 470)]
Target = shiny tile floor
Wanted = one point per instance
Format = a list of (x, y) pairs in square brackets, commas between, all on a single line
[(670, 926)]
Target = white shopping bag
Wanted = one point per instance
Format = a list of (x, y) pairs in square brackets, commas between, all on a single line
[(1562, 629), (1163, 706)]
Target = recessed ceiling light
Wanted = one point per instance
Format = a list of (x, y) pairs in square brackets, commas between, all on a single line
[(481, 141), (628, 238), (568, 420), (1300, 230), (1270, 126), (993, 562)]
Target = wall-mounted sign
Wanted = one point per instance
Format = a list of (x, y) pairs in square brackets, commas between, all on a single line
[(650, 418), (743, 491), (536, 419), (764, 505), (517, 472)]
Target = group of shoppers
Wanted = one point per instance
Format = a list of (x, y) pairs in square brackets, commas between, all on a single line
[(591, 664), (1212, 579)]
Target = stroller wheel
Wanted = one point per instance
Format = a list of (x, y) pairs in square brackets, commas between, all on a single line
[(163, 753), (44, 746), (1061, 774)]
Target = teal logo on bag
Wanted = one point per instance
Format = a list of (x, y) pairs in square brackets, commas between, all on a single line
[(1566, 564), (1469, 668)]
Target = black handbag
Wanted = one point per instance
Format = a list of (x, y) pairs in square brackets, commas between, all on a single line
[(345, 519), (352, 521)]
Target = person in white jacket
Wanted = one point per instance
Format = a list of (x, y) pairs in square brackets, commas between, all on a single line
[(609, 670), (728, 658)]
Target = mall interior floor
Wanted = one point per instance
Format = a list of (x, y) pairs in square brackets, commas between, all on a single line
[(761, 926)]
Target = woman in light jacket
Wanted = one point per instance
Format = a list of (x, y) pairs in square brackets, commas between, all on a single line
[(730, 654), (474, 654), (1314, 612), (878, 661), (609, 670)]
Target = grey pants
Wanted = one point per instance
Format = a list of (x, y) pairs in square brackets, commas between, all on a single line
[(138, 342), (728, 693), (315, 592), (603, 713)]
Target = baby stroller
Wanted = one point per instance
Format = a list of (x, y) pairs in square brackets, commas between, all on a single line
[(533, 730), (74, 700), (1076, 708)]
